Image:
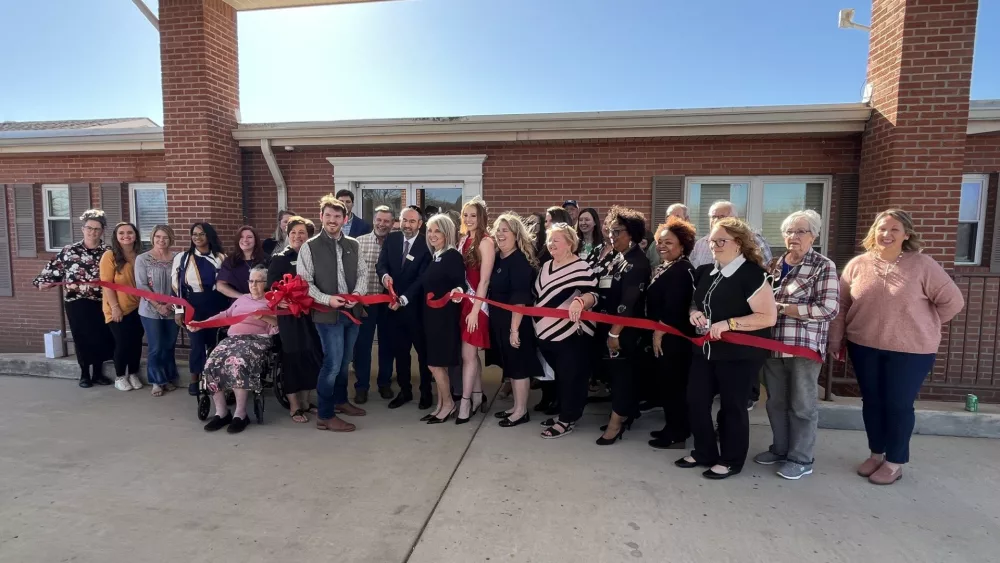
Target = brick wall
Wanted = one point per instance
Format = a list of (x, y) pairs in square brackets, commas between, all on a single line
[(30, 312)]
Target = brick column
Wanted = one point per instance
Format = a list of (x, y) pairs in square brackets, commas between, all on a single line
[(198, 56), (920, 65)]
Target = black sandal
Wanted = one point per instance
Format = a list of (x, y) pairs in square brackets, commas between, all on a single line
[(301, 413), (730, 471), (554, 431)]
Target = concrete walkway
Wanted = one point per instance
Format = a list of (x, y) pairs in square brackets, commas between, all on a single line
[(99, 475)]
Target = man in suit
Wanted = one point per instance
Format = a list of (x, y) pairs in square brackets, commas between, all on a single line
[(402, 261), (354, 226)]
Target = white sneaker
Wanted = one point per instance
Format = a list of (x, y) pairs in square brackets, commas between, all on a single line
[(134, 381), (122, 384)]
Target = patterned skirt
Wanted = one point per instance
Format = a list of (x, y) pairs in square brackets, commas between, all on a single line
[(237, 362)]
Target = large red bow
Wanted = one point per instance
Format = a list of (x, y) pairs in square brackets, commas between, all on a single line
[(294, 291)]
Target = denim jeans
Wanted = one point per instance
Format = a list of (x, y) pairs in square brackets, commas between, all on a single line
[(889, 383), (792, 394), (161, 335), (376, 320), (338, 346)]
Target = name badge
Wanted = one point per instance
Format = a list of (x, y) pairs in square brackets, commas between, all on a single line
[(409, 257), (605, 283)]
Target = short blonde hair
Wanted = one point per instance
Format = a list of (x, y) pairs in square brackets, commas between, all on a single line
[(447, 226), (567, 231), (166, 229), (524, 240), (912, 244), (744, 236)]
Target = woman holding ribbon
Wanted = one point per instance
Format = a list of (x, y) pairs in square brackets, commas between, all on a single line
[(235, 271), (622, 293), (893, 300), (301, 350), (78, 266), (192, 278), (479, 252), (152, 273), (121, 310), (237, 361), (731, 294)]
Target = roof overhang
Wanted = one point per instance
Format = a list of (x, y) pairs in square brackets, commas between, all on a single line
[(765, 120), (245, 5), (81, 140), (984, 116)]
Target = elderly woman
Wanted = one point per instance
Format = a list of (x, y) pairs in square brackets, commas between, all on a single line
[(730, 294), (622, 293), (549, 403), (893, 300), (276, 244), (121, 310), (237, 361), (301, 349), (513, 336), (152, 273), (806, 295), (78, 265), (235, 270), (668, 300), (566, 282)]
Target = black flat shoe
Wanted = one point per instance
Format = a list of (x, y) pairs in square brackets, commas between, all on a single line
[(508, 423), (85, 383), (553, 410), (657, 433), (666, 444), (542, 407), (238, 425), (400, 400), (730, 471), (100, 379), (501, 414), (685, 464), (385, 392), (218, 422)]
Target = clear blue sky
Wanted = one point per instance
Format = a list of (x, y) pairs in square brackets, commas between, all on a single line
[(71, 59)]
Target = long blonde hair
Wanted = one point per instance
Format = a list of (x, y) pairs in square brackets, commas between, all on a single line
[(744, 237), (525, 241), (912, 244), (473, 257)]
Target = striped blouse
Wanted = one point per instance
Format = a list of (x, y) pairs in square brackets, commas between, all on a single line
[(556, 287)]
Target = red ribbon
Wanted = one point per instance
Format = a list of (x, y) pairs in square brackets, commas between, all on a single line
[(632, 322)]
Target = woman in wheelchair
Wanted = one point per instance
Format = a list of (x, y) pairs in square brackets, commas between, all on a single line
[(236, 362)]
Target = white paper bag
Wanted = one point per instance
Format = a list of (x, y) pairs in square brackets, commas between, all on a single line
[(550, 374), (53, 344)]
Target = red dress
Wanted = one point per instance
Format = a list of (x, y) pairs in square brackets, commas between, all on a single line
[(481, 337)]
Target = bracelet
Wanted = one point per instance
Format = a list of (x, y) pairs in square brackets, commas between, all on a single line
[(580, 299), (732, 324), (615, 336)]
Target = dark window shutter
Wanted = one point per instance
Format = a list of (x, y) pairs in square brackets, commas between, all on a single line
[(24, 220), (6, 275), (667, 190), (79, 201), (995, 253), (845, 242), (111, 203)]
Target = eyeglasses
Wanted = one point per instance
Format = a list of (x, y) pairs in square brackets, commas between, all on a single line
[(255, 282), (719, 242), (90, 229), (798, 233), (615, 232), (198, 235)]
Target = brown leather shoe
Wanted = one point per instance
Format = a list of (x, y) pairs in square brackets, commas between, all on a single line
[(335, 425), (886, 475), (870, 466), (349, 410)]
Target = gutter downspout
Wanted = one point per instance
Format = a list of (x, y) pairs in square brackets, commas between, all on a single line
[(148, 13), (272, 165)]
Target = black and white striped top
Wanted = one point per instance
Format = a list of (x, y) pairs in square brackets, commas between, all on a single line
[(556, 287)]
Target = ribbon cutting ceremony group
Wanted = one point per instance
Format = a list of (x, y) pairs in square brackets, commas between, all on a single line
[(582, 306)]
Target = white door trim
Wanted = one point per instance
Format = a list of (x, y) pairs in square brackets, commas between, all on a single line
[(349, 172)]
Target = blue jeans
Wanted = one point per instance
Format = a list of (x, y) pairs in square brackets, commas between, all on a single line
[(889, 383), (376, 319), (161, 335), (338, 346)]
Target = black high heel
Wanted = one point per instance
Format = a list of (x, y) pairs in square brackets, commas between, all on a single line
[(627, 425), (459, 420), (602, 441), (484, 407), (436, 420)]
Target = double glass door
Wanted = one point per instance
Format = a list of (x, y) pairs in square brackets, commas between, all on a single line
[(396, 196)]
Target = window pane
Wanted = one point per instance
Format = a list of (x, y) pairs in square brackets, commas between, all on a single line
[(781, 200), (374, 195), (59, 233), (57, 201), (702, 196), (150, 210), (444, 198), (968, 209), (965, 250)]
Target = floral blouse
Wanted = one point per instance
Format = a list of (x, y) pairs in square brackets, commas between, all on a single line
[(75, 264)]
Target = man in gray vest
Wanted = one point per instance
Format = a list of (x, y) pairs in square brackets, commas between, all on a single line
[(333, 265)]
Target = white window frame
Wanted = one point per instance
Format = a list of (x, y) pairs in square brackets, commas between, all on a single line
[(133, 218), (984, 181), (755, 197), (46, 189)]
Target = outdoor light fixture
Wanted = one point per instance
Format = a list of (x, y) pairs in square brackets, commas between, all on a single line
[(845, 20)]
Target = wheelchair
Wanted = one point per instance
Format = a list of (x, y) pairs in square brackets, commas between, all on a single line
[(270, 379)]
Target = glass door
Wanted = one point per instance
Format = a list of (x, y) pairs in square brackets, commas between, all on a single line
[(395, 196), (433, 196)]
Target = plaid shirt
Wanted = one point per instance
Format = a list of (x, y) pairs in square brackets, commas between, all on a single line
[(370, 246), (813, 289), (702, 253)]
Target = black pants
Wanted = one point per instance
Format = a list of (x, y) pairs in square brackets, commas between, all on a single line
[(407, 333), (732, 381), (91, 338), (626, 371), (671, 371), (128, 343), (571, 361)]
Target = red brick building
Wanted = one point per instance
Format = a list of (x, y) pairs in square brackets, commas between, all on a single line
[(919, 143)]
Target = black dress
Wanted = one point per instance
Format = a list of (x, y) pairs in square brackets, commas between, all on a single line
[(442, 327), (511, 283), (301, 350)]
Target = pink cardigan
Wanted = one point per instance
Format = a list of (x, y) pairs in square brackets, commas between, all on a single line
[(900, 312), (246, 304)]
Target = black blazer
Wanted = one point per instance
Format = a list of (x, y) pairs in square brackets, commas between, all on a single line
[(359, 227), (406, 274)]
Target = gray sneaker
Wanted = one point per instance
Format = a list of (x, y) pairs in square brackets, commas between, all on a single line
[(768, 458), (794, 471)]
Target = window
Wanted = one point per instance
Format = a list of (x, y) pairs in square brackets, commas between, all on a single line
[(443, 196), (763, 201), (55, 206), (971, 218), (147, 208)]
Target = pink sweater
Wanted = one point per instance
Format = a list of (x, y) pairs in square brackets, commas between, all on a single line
[(246, 304), (898, 307)]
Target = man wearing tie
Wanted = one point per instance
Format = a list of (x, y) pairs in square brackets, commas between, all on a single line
[(401, 262)]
